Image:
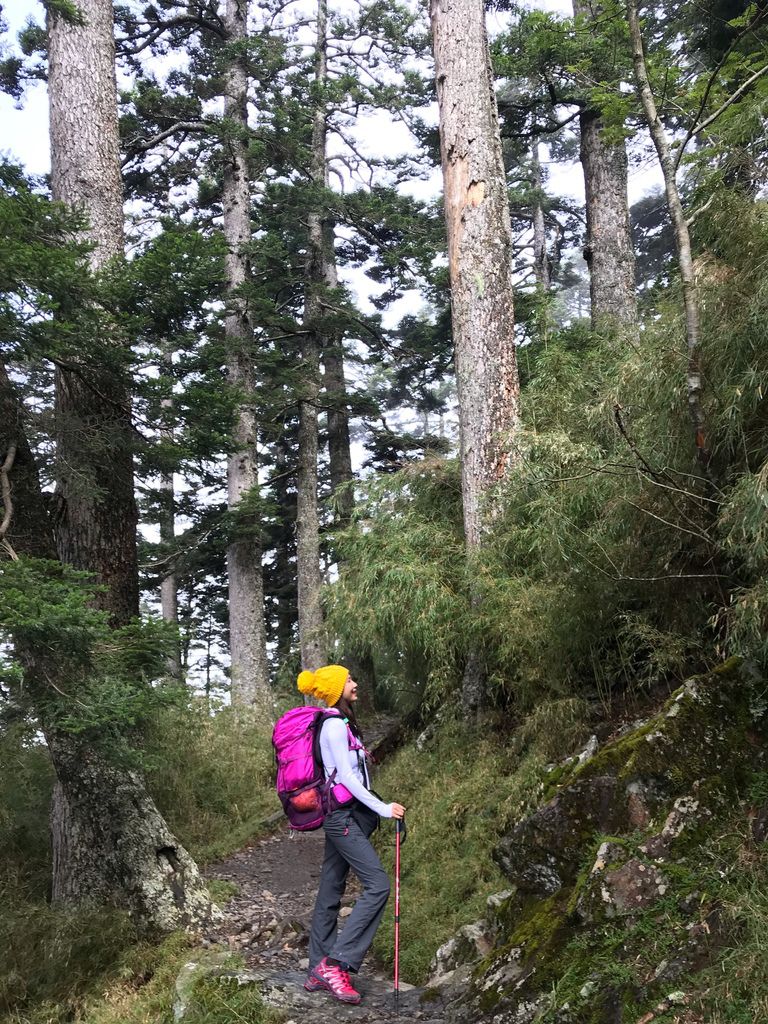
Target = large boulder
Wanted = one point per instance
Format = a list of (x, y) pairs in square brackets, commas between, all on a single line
[(629, 782)]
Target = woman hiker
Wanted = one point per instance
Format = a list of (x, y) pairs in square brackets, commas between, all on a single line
[(352, 817)]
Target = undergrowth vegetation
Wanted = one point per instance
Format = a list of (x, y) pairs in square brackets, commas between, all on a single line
[(124, 982), (463, 794), (211, 776), (460, 794), (713, 919)]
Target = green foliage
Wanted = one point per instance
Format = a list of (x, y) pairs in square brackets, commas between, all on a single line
[(225, 1001), (65, 9), (612, 565), (91, 968), (221, 891), (404, 584), (140, 989), (211, 775), (715, 890), (46, 606), (52, 957), (736, 989), (26, 781), (460, 792)]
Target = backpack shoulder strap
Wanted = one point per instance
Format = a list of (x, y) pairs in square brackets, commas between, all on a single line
[(322, 718)]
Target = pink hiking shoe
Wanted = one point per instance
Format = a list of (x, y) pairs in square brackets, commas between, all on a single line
[(335, 980), (313, 984)]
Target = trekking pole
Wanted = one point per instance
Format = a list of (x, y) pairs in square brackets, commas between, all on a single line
[(398, 828)]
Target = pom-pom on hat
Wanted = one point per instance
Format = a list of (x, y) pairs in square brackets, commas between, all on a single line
[(327, 684)]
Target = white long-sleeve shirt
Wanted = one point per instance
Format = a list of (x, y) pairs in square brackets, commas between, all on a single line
[(351, 770)]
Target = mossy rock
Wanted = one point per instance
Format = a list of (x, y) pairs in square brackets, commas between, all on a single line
[(631, 819), (709, 716), (631, 781)]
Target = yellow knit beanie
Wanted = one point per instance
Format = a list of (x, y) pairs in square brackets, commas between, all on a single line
[(327, 684)]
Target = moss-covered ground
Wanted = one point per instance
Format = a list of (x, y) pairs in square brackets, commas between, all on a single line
[(703, 943), (94, 969), (696, 953)]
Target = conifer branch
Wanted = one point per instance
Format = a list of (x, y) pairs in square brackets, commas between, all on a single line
[(153, 32), (139, 146), (760, 16), (729, 102)]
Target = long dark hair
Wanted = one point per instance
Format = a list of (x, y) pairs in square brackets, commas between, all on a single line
[(349, 713)]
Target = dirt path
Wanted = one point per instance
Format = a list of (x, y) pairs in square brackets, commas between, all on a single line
[(268, 922), (277, 877)]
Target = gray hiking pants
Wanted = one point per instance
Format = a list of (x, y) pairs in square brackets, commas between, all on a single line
[(347, 846)]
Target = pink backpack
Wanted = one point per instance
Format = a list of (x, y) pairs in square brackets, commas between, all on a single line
[(301, 785)]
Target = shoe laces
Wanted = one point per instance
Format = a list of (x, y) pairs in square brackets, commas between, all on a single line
[(338, 973)]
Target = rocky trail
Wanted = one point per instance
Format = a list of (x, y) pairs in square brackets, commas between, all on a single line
[(268, 923), (268, 920)]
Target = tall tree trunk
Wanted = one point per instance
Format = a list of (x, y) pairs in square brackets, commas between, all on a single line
[(247, 629), (339, 449), (311, 636), (682, 240), (96, 525), (142, 867), (309, 578), (609, 252), (169, 595), (112, 845), (283, 591), (360, 664), (540, 255), (96, 529), (480, 266)]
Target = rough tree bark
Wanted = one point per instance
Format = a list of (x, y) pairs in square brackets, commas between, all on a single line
[(321, 274), (480, 265), (360, 665), (682, 240), (332, 355), (113, 844), (540, 255), (339, 449), (284, 570), (247, 630), (96, 527), (608, 252), (97, 516)]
